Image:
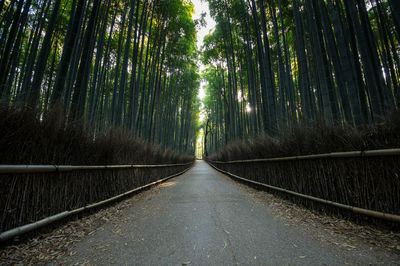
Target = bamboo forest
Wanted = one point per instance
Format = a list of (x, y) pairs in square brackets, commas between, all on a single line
[(274, 64), (129, 64), (102, 98), (268, 65)]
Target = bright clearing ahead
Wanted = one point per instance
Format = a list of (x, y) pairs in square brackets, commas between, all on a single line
[(201, 6)]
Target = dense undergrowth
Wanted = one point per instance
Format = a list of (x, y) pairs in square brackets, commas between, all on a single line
[(24, 139), (370, 182), (315, 139)]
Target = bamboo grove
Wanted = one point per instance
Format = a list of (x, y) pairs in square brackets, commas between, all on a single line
[(278, 63), (112, 63)]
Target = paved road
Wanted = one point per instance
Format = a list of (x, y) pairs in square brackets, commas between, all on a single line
[(205, 218)]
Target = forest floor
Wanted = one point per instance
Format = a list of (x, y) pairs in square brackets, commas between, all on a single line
[(205, 218)]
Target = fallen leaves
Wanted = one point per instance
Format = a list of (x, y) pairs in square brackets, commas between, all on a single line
[(350, 233), (57, 243), (348, 246)]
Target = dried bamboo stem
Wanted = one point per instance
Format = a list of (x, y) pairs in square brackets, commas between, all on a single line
[(371, 213), (15, 169), (348, 154), (33, 226)]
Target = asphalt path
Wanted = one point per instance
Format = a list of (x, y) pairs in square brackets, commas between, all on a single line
[(205, 218)]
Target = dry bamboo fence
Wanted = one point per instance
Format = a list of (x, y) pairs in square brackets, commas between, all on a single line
[(368, 180), (30, 193)]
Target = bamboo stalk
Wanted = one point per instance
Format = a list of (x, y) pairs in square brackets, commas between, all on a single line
[(16, 169), (33, 226), (29, 227), (348, 154), (376, 214)]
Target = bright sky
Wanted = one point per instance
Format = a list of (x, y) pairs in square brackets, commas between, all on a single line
[(201, 6)]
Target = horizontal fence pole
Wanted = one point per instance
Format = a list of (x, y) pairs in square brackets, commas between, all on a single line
[(347, 154), (371, 213), (16, 169), (33, 226)]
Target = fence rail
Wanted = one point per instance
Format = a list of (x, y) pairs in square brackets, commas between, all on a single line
[(371, 213), (345, 180), (51, 219), (348, 154), (58, 191), (15, 169)]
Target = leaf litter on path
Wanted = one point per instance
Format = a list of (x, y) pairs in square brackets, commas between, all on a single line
[(57, 243), (351, 234)]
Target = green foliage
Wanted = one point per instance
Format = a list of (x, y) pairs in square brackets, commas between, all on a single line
[(160, 65), (271, 65)]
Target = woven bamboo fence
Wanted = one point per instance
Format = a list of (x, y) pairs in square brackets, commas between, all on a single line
[(368, 180), (31, 193)]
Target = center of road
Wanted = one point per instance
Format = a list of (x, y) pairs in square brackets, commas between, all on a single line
[(204, 218)]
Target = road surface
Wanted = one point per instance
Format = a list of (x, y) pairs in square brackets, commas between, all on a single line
[(205, 218)]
